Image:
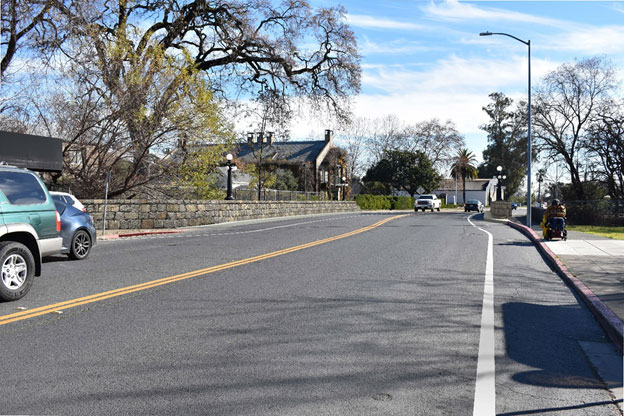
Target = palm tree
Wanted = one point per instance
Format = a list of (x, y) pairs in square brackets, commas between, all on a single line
[(464, 167)]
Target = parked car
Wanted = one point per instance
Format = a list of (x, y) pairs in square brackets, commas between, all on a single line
[(427, 202), (473, 205), (67, 199), (77, 230), (30, 228)]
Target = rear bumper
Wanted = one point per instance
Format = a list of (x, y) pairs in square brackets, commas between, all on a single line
[(50, 246)]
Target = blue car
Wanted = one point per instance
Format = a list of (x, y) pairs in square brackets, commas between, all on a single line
[(77, 230)]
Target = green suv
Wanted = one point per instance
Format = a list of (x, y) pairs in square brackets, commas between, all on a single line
[(29, 229)]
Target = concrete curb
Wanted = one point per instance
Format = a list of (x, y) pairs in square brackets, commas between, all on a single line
[(135, 234), (610, 322)]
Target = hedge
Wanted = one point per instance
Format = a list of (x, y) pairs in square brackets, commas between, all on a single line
[(371, 202)]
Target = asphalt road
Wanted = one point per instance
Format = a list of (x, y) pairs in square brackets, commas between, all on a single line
[(305, 316)]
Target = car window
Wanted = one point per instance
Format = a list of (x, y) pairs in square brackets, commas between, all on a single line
[(60, 206), (425, 197), (58, 198), (21, 188)]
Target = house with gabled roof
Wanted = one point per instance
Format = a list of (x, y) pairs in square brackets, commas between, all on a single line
[(308, 160), (482, 189)]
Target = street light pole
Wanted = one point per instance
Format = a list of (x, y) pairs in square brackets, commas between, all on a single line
[(229, 163), (528, 43)]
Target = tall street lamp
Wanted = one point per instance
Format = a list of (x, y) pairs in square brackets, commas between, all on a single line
[(528, 43), (229, 165)]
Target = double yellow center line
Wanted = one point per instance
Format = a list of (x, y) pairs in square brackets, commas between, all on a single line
[(57, 307)]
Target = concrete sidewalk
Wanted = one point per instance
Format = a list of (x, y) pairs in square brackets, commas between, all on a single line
[(592, 265)]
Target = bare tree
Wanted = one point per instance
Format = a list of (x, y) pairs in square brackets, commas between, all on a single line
[(385, 134), (439, 141), (565, 105), (242, 45), (354, 134), (24, 24), (605, 140)]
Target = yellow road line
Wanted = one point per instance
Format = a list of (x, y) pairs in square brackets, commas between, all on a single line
[(42, 310)]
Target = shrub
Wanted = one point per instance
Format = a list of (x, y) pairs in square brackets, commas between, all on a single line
[(402, 202), (366, 201)]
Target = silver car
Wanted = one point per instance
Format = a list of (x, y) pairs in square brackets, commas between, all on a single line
[(77, 230)]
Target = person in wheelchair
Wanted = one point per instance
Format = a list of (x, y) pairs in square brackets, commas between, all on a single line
[(554, 218)]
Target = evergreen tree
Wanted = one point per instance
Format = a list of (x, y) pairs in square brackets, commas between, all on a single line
[(507, 141)]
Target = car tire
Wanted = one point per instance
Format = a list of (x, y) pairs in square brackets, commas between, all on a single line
[(438, 209), (415, 209), (431, 209), (80, 245), (17, 270)]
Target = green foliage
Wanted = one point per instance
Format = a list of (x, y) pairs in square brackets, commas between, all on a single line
[(285, 180), (507, 141), (405, 171), (402, 202), (463, 167), (371, 202), (262, 176), (376, 188), (198, 172)]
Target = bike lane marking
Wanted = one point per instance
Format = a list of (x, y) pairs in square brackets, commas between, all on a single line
[(57, 307), (485, 387)]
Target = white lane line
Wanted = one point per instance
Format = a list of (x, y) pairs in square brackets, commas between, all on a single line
[(485, 387)]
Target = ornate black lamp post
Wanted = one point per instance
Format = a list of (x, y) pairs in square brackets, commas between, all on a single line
[(499, 185), (229, 164)]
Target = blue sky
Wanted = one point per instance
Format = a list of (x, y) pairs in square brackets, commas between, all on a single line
[(424, 59)]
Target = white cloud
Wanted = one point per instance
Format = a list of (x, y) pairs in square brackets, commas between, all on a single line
[(453, 10), (360, 20), (589, 40), (453, 88), (393, 47), (455, 74)]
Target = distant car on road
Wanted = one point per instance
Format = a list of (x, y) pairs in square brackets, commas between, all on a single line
[(514, 205), (77, 230), (473, 205), (427, 202), (67, 199)]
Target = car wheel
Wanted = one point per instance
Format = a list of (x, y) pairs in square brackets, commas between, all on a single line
[(423, 210), (415, 209), (80, 245), (438, 209), (431, 209), (17, 270)]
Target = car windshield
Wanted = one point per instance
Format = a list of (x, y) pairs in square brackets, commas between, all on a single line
[(425, 197), (472, 201)]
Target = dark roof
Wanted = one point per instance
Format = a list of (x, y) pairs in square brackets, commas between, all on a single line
[(290, 152)]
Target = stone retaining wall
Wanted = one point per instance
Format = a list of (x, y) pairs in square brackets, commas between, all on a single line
[(149, 214), (501, 209)]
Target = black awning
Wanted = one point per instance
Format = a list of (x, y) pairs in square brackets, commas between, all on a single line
[(38, 153)]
